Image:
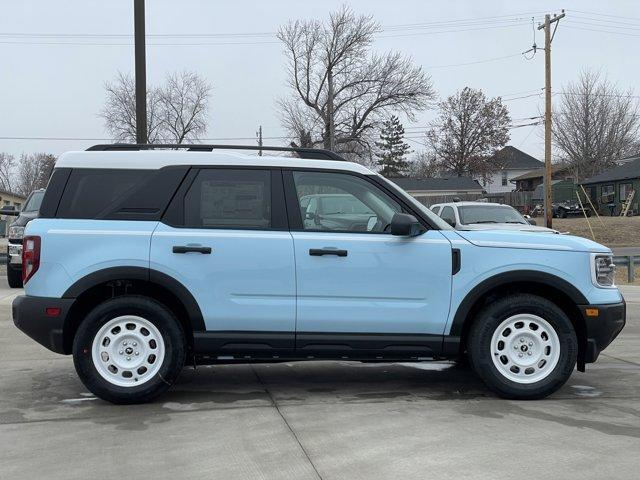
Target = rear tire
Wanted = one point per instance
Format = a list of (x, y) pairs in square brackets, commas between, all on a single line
[(14, 277), (129, 349), (523, 347)]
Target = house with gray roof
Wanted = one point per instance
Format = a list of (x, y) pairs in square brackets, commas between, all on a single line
[(508, 164), (610, 188)]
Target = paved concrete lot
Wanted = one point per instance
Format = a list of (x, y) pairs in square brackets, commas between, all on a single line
[(318, 420)]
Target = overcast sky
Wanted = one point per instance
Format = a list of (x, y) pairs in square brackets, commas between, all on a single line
[(55, 88)]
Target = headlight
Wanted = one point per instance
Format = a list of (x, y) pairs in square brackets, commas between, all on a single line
[(16, 233), (603, 271)]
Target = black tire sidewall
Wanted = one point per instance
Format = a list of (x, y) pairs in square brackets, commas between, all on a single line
[(479, 345), (153, 312)]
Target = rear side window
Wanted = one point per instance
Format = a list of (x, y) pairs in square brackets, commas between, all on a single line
[(227, 198), (119, 194), (91, 191)]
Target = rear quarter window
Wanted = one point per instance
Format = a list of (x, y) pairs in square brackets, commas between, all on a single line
[(119, 194)]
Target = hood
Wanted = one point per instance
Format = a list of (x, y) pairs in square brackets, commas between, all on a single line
[(24, 218), (516, 227), (514, 239)]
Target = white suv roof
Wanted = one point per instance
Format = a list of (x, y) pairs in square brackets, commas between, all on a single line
[(154, 159)]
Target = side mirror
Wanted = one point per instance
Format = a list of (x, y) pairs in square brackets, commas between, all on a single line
[(403, 224), (532, 221)]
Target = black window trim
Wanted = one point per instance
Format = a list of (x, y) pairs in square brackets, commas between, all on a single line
[(174, 215), (295, 216)]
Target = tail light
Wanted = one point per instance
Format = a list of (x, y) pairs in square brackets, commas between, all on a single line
[(30, 256)]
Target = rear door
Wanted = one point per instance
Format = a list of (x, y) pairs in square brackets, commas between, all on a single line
[(225, 238), (365, 289)]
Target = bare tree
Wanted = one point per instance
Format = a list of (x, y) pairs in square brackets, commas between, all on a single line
[(184, 99), (469, 129), (595, 124), (34, 171), (345, 91), (119, 111), (423, 165), (176, 111), (7, 164)]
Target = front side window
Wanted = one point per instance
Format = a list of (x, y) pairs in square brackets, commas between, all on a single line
[(225, 198), (448, 215), (34, 201), (343, 202)]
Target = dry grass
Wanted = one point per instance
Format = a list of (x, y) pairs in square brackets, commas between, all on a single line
[(612, 231)]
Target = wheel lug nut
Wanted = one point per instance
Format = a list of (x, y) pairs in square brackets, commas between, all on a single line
[(120, 352), (128, 358), (520, 355), (531, 344), (521, 340), (134, 344), (515, 347), (529, 353), (137, 353), (125, 343)]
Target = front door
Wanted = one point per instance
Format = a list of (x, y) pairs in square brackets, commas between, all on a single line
[(230, 247), (359, 287)]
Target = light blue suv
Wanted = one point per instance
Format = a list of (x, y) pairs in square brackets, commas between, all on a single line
[(145, 259)]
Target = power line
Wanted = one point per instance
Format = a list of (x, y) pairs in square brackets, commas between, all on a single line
[(603, 31), (281, 137), (605, 15), (475, 62), (498, 19)]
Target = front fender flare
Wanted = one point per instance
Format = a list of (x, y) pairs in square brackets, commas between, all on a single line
[(504, 279)]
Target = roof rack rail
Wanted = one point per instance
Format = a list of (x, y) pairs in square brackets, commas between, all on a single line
[(308, 153)]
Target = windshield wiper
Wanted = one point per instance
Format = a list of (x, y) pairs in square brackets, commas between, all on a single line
[(513, 221), (486, 221)]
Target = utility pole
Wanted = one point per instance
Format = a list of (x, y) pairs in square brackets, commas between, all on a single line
[(141, 71), (259, 135), (548, 37)]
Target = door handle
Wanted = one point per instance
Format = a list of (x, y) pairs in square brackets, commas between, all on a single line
[(191, 248), (318, 252)]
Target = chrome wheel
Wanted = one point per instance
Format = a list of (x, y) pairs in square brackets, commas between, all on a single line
[(128, 351), (525, 348)]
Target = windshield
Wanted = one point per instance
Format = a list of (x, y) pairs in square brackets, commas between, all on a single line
[(34, 201), (433, 218), (489, 214)]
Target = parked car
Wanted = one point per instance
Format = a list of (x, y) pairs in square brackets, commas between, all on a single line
[(569, 208), (485, 216), (143, 261), (15, 234), (331, 211)]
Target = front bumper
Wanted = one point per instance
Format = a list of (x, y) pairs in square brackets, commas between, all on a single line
[(603, 327), (30, 316)]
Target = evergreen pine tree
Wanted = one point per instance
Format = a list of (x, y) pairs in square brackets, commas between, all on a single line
[(392, 149)]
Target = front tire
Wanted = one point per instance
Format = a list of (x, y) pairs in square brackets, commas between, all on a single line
[(14, 277), (129, 349), (523, 347)]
